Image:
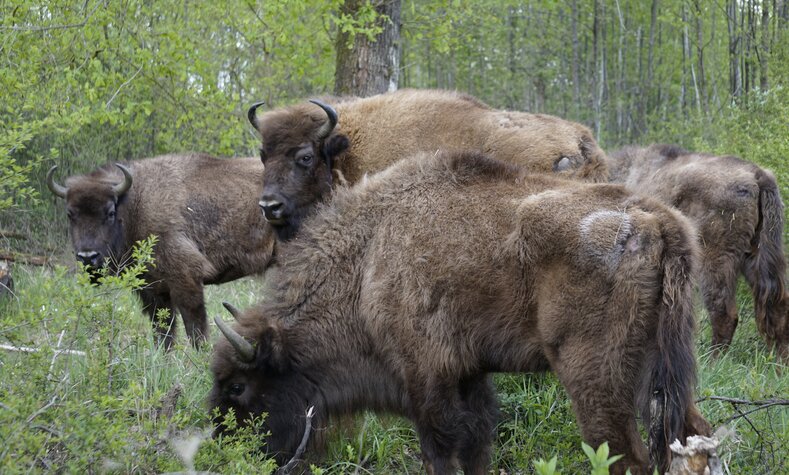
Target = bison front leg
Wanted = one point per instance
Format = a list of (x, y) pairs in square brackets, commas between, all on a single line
[(479, 423), (455, 422), (718, 287), (188, 298), (159, 308)]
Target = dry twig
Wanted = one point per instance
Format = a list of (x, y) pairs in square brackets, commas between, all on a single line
[(285, 469)]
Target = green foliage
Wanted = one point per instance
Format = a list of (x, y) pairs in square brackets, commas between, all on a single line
[(546, 468), (123, 405), (364, 21), (600, 459)]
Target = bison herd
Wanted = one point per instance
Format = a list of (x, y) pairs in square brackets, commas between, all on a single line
[(416, 242)]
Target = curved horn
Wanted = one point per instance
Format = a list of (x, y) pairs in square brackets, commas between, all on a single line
[(252, 113), (244, 348), (57, 190), (233, 310), (122, 188), (326, 128)]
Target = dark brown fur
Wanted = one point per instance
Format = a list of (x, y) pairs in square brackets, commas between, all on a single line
[(405, 292), (202, 211), (372, 133), (737, 208)]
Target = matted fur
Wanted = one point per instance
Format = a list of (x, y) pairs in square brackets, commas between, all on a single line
[(737, 208), (382, 129), (202, 210), (407, 290)]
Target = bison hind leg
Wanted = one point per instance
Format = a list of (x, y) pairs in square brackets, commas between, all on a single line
[(718, 287)]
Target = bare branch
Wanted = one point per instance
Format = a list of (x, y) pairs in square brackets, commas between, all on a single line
[(43, 408), (25, 349), (107, 105), (285, 469)]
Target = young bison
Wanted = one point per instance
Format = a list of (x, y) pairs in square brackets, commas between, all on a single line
[(406, 291), (740, 218), (200, 208), (303, 144)]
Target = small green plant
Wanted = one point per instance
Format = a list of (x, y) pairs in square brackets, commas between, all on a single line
[(546, 468), (600, 459)]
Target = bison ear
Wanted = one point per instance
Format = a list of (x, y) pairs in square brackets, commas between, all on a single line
[(335, 145), (270, 352)]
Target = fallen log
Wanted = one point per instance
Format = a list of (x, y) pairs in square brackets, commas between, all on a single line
[(28, 259), (12, 235)]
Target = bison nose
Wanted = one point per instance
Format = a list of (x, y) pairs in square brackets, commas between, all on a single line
[(88, 258), (273, 210)]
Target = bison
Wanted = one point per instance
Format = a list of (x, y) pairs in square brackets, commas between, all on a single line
[(201, 209), (737, 208), (406, 291), (304, 144)]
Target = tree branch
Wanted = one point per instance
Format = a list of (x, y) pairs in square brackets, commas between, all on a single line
[(54, 27), (285, 469)]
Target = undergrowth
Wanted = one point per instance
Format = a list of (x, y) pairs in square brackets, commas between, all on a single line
[(126, 406)]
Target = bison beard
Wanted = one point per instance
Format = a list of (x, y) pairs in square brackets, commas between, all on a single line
[(406, 291)]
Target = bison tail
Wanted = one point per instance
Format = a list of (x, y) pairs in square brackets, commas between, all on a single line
[(666, 393), (765, 265)]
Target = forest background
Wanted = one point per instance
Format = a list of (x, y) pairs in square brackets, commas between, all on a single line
[(90, 82)]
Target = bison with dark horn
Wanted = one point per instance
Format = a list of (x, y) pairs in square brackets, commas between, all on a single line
[(202, 210)]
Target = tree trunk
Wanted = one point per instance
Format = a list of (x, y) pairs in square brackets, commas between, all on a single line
[(734, 47), (576, 58), (369, 67), (764, 52)]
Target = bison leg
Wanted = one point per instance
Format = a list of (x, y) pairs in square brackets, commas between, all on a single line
[(456, 422), (603, 402), (718, 286), (162, 314), (770, 306), (189, 301), (438, 410), (481, 413)]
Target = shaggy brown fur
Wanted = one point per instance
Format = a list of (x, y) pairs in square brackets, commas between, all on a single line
[(737, 208), (203, 212), (406, 291), (385, 128)]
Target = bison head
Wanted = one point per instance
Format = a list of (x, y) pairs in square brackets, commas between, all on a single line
[(92, 203), (252, 377), (299, 148)]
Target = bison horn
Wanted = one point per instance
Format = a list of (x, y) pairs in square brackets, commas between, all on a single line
[(122, 188), (326, 128), (233, 310), (252, 113), (56, 189), (244, 348)]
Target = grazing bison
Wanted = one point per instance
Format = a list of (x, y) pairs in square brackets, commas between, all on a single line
[(304, 143), (201, 209), (405, 292), (739, 214)]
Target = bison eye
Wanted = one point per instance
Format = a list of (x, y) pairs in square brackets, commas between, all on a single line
[(306, 160), (236, 389)]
